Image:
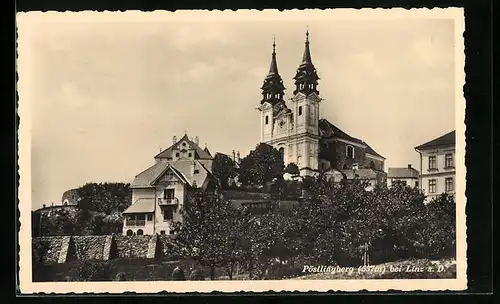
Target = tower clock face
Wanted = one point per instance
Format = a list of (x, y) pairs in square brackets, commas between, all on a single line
[(282, 123)]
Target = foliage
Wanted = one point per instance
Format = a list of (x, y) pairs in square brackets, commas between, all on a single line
[(292, 169), (261, 165), (178, 274), (223, 168), (212, 231), (94, 271), (104, 197), (197, 275)]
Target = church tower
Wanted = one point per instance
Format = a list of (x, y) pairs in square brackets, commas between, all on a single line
[(305, 104), (292, 127)]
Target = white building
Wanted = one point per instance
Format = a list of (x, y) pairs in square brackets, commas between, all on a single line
[(437, 166), (294, 126), (408, 176), (160, 191)]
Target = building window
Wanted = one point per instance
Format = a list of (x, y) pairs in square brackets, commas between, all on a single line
[(162, 232), (432, 186), (168, 214), (349, 152), (267, 119), (171, 232), (130, 232), (416, 184), (300, 110), (177, 154), (372, 165), (282, 153), (196, 171), (448, 161), (449, 184), (140, 232), (150, 217), (189, 154), (432, 162), (344, 167), (169, 194)]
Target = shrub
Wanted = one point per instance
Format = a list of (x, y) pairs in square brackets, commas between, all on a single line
[(178, 274), (282, 271), (197, 275), (94, 271), (120, 277)]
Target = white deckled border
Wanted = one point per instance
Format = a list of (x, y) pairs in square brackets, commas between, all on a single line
[(29, 287)]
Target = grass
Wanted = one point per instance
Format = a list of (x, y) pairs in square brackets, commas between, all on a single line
[(404, 269)]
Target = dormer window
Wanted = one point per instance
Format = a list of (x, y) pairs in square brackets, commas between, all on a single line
[(349, 152)]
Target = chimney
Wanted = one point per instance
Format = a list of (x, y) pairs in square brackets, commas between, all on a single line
[(196, 140), (238, 157), (234, 155), (409, 166), (174, 140)]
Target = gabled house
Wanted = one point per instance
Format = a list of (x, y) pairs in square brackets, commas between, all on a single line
[(160, 191), (408, 176)]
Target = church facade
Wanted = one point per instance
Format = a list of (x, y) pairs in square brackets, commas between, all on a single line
[(296, 129)]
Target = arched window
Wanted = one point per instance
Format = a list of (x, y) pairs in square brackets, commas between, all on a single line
[(130, 232), (140, 232), (349, 152), (282, 153), (300, 110), (267, 119)]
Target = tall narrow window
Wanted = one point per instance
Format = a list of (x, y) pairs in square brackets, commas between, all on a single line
[(168, 193), (448, 161), (432, 186), (300, 110), (349, 151), (282, 153), (168, 214), (449, 184), (432, 162), (267, 119)]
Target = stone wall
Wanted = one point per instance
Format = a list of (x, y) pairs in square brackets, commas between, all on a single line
[(47, 249), (132, 246), (89, 247), (62, 249)]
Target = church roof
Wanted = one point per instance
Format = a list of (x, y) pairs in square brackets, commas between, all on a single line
[(199, 152), (182, 168), (329, 130), (442, 141)]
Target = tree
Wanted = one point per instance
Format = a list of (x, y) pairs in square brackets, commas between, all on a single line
[(261, 165), (212, 231), (292, 169), (104, 197), (223, 168)]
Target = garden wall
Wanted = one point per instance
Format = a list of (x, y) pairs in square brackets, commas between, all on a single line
[(62, 249)]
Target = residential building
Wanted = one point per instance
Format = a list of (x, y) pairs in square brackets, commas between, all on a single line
[(294, 126), (437, 166), (160, 191), (408, 176)]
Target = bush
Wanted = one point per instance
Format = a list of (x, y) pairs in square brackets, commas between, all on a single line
[(94, 271), (282, 271), (197, 275), (178, 274), (120, 277)]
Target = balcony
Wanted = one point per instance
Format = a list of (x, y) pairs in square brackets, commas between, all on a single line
[(168, 201), (135, 223)]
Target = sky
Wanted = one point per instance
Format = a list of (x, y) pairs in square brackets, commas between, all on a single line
[(107, 92)]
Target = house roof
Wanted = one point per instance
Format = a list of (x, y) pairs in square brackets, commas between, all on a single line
[(199, 152), (181, 168), (142, 205), (402, 173), (447, 139), (329, 130), (360, 173)]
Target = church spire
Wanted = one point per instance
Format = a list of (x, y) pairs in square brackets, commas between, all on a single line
[(306, 79), (273, 88)]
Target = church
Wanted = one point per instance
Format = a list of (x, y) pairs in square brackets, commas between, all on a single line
[(314, 144)]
